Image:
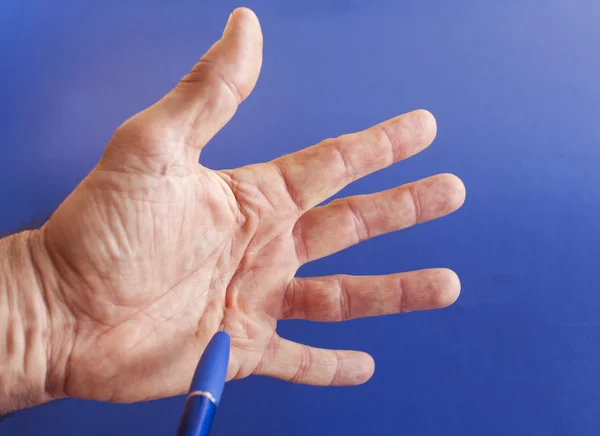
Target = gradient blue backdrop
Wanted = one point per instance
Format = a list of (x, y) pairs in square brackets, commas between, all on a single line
[(514, 86)]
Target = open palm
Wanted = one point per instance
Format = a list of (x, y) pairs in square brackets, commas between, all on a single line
[(154, 253)]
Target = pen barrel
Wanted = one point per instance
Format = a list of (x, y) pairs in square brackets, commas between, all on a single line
[(197, 418)]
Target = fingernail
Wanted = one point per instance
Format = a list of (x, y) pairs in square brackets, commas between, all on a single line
[(228, 22)]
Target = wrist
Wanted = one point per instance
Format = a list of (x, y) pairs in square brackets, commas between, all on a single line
[(32, 322)]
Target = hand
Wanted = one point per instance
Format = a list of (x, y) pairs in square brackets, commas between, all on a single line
[(153, 253)]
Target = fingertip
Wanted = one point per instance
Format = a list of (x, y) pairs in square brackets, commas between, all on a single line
[(456, 191), (370, 367), (436, 196), (245, 12), (245, 19), (363, 368), (447, 288), (427, 123), (240, 52)]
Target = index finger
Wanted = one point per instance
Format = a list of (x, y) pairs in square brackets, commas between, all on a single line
[(316, 173)]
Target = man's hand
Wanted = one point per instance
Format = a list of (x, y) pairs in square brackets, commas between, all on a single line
[(153, 253)]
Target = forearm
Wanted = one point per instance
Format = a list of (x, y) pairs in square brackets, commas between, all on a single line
[(25, 322)]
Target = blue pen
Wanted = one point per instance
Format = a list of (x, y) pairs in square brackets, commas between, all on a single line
[(206, 389)]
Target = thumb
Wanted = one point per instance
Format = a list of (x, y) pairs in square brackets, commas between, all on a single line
[(208, 97), (171, 133)]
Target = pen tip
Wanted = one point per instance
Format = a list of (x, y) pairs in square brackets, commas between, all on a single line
[(211, 372)]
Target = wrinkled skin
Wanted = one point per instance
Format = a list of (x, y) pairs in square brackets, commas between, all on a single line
[(153, 253)]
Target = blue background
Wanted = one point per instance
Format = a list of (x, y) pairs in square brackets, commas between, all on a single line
[(514, 86)]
